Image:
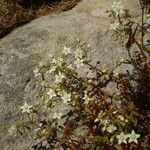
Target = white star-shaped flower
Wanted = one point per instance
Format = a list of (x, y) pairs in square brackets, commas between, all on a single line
[(114, 26), (111, 128), (105, 122), (122, 138), (51, 93), (133, 137), (79, 62), (57, 115), (79, 53), (66, 50), (26, 108), (117, 8), (65, 97), (59, 77)]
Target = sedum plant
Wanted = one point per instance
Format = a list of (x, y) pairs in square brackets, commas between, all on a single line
[(96, 117)]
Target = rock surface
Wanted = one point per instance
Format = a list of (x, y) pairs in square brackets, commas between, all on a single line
[(22, 49)]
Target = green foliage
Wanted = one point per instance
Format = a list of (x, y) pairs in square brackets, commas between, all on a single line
[(96, 118)]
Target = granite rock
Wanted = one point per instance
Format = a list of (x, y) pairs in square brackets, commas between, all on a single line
[(21, 50)]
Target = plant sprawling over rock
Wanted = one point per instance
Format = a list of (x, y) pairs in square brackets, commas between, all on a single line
[(78, 111)]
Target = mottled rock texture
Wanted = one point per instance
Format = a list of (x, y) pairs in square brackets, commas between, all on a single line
[(23, 48)]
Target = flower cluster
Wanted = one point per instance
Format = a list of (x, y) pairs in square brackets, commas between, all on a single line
[(118, 12), (122, 138), (117, 7), (76, 110)]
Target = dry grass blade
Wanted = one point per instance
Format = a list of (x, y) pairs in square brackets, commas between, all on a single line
[(12, 14)]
